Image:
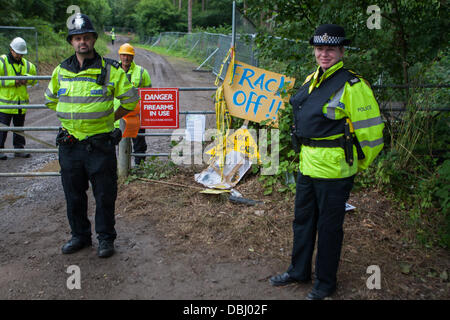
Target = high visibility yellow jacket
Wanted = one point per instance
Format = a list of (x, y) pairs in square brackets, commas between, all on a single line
[(83, 103), (9, 93), (356, 102), (139, 78)]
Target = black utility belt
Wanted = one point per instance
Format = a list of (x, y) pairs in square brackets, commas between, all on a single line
[(346, 142), (99, 141), (339, 142), (65, 138)]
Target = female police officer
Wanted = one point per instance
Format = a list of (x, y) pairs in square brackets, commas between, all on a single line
[(337, 123)]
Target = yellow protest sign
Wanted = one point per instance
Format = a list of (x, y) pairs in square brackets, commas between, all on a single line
[(254, 93), (240, 141)]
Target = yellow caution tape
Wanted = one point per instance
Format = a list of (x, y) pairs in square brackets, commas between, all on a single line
[(223, 118)]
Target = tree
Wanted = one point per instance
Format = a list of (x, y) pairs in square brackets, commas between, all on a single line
[(154, 16), (411, 31), (189, 16)]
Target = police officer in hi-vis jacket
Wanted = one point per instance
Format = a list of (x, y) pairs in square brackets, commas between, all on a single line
[(339, 132), (82, 92)]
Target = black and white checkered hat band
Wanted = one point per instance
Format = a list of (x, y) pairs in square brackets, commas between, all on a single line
[(326, 39)]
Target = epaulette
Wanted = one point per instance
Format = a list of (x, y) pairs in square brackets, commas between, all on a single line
[(354, 80), (112, 62), (357, 77)]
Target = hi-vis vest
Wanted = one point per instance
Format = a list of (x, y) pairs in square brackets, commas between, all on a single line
[(139, 78), (85, 105), (9, 93), (352, 99)]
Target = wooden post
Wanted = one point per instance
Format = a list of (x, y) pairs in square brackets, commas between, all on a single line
[(124, 161)]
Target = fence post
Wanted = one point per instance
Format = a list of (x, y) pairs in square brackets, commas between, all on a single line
[(124, 162)]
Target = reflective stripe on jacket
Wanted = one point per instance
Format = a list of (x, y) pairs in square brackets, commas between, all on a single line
[(84, 107), (355, 100), (9, 93), (139, 78)]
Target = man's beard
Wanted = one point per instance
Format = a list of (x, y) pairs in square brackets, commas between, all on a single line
[(18, 61), (85, 51)]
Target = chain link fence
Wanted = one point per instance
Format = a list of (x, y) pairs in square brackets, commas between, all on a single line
[(209, 48)]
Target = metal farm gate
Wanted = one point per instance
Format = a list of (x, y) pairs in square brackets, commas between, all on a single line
[(124, 159)]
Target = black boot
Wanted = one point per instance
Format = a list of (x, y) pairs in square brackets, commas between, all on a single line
[(74, 245), (105, 248)]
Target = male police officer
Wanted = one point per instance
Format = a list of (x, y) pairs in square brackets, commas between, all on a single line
[(337, 122), (14, 92), (139, 78), (82, 91)]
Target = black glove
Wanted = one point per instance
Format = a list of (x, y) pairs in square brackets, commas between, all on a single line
[(116, 136)]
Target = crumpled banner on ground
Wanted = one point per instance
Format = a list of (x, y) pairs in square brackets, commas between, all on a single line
[(235, 166)]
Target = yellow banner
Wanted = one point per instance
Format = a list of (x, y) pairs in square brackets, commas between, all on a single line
[(254, 93), (240, 141)]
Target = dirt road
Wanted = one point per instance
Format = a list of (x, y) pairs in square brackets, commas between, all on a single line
[(33, 227)]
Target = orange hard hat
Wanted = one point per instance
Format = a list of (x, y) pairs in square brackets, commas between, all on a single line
[(126, 48)]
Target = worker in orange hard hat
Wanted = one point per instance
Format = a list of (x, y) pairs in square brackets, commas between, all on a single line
[(139, 78)]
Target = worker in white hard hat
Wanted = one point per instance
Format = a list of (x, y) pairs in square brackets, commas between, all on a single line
[(14, 92)]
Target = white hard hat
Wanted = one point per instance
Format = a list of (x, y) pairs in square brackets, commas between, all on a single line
[(19, 45)]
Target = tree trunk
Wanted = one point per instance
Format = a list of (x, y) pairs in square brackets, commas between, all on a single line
[(203, 5), (189, 16), (179, 5), (404, 48)]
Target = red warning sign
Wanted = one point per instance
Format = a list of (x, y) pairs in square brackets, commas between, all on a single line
[(159, 108)]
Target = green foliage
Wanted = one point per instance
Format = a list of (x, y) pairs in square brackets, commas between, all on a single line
[(52, 12), (410, 31), (441, 190), (222, 29), (49, 17), (154, 16), (150, 17), (217, 13), (153, 168), (288, 159), (415, 165)]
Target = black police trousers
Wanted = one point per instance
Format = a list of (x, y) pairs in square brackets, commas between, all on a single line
[(319, 210), (81, 164)]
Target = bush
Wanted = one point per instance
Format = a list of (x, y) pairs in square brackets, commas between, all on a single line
[(415, 164)]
